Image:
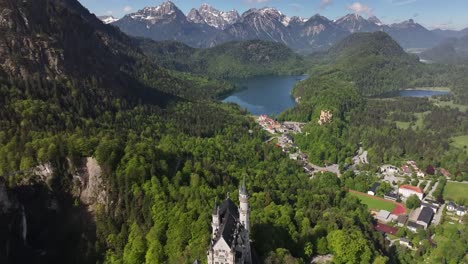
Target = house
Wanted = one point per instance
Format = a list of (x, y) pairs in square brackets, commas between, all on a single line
[(294, 156), (461, 211), (383, 216), (230, 241), (373, 189), (408, 190), (434, 208), (308, 168), (451, 207), (389, 169), (413, 226), (391, 196), (402, 219), (405, 242), (406, 169), (302, 156), (445, 172), (425, 217)]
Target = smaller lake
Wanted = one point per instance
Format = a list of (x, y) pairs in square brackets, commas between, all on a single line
[(415, 93), (269, 95)]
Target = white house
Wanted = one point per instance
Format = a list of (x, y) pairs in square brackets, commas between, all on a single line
[(461, 211), (451, 207), (373, 189), (408, 190)]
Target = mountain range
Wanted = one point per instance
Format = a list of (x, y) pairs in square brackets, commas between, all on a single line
[(208, 27)]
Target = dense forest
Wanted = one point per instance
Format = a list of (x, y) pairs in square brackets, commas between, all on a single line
[(166, 151)]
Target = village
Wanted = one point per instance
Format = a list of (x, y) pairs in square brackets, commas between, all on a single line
[(393, 218)]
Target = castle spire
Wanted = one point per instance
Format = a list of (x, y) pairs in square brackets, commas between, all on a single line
[(216, 208), (243, 189)]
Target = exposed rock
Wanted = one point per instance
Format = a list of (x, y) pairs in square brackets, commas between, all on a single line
[(90, 184)]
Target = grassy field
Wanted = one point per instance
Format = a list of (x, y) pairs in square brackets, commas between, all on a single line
[(460, 142), (374, 203), (403, 125), (450, 104), (455, 191)]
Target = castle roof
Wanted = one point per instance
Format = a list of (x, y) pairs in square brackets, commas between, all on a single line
[(229, 215)]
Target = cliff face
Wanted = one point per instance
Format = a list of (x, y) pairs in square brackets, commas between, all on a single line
[(42, 222)]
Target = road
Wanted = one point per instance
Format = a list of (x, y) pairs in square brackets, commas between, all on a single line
[(438, 215), (433, 189)]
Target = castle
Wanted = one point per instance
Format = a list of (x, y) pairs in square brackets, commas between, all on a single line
[(230, 243)]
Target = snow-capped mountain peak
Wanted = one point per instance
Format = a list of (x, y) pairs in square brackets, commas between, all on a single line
[(375, 20), (107, 19), (213, 17), (164, 11)]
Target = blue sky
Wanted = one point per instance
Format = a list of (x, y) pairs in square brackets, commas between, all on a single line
[(447, 14)]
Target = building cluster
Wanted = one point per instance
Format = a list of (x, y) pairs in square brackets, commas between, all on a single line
[(273, 126), (411, 167), (325, 117), (270, 125), (457, 209)]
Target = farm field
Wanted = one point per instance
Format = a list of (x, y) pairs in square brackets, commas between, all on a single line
[(456, 191)]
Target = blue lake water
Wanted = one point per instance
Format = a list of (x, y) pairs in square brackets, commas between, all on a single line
[(268, 95)]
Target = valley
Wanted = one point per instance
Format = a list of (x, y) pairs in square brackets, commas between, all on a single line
[(123, 149)]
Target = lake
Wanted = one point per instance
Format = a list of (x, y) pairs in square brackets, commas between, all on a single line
[(415, 93), (269, 95)]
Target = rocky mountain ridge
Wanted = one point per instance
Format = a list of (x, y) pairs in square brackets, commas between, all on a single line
[(207, 27)]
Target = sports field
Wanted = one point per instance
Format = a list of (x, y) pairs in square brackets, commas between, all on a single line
[(374, 203), (456, 191)]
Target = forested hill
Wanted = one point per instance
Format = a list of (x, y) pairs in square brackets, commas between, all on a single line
[(229, 60), (58, 42), (367, 44), (374, 62)]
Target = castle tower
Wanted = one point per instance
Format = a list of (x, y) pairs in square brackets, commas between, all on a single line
[(244, 206), (215, 220)]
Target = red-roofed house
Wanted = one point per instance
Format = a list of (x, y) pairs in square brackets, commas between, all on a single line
[(445, 173), (408, 190)]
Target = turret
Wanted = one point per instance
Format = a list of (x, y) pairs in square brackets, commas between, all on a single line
[(215, 220), (244, 206)]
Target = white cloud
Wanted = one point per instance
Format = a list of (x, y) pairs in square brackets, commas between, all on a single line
[(325, 3), (402, 2), (109, 12), (360, 8), (256, 1), (127, 9)]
